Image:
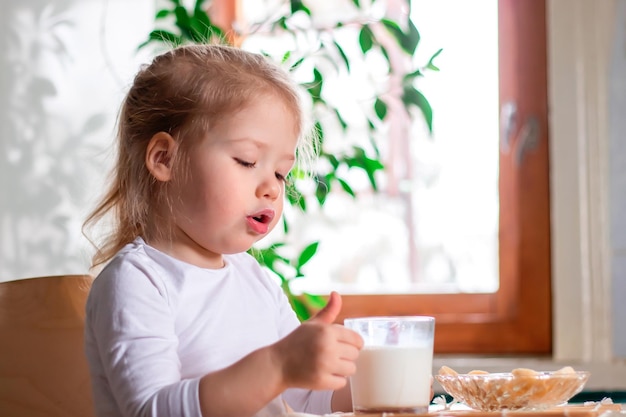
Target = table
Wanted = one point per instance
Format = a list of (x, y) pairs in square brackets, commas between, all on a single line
[(594, 410)]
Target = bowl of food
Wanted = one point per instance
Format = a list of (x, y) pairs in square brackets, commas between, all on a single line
[(520, 389)]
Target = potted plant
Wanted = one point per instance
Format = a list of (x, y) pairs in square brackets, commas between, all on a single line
[(319, 52)]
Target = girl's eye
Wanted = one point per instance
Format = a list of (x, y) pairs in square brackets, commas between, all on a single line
[(245, 163), (281, 177)]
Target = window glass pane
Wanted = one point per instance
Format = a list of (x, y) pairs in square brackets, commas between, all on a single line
[(455, 193), (433, 227)]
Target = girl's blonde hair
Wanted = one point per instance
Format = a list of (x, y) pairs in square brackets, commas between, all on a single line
[(183, 92)]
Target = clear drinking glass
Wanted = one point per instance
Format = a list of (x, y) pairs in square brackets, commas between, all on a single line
[(395, 366)]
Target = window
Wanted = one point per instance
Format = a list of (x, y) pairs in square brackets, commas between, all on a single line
[(514, 315), (516, 318)]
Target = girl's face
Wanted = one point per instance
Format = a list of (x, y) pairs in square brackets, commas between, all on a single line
[(233, 195)]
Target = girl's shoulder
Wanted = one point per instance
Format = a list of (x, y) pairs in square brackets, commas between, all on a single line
[(132, 265), (135, 255)]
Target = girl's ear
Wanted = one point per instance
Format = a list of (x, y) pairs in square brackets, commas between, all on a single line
[(160, 154)]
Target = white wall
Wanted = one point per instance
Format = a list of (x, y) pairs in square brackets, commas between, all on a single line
[(617, 176), (588, 53), (64, 67)]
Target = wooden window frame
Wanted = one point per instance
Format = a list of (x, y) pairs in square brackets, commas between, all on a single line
[(517, 318)]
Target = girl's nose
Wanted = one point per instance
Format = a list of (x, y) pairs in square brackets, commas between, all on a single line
[(270, 187)]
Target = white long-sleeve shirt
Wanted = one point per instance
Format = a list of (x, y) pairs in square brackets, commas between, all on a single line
[(155, 325)]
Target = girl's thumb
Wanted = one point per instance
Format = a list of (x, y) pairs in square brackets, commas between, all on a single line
[(329, 313)]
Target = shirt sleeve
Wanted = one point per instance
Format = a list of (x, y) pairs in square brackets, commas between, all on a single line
[(131, 327)]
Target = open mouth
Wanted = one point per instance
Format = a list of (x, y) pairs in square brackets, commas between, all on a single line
[(260, 222), (262, 218)]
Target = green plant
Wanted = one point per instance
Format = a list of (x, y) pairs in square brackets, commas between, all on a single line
[(181, 25)]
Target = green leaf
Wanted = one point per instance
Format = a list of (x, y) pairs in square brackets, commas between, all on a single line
[(410, 77), (369, 165), (340, 119), (298, 6), (412, 96), (285, 57), (299, 307), (346, 187), (366, 38), (200, 16), (431, 65), (182, 18), (163, 36), (295, 174), (285, 225), (332, 159), (199, 33), (161, 14), (322, 189), (412, 39), (314, 301), (296, 64), (380, 107), (201, 21), (343, 55), (408, 41), (280, 23), (307, 254), (394, 29), (314, 87)]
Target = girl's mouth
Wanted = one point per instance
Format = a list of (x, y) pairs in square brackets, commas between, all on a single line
[(260, 222)]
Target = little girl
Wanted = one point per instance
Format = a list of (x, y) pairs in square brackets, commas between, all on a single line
[(181, 321)]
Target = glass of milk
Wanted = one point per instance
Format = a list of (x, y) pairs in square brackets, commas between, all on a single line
[(395, 366)]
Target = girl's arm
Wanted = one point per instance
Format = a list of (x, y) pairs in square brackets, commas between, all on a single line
[(317, 355), (243, 388)]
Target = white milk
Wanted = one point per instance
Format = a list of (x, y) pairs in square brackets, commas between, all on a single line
[(392, 378)]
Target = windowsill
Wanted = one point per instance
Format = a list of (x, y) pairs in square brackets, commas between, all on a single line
[(604, 376)]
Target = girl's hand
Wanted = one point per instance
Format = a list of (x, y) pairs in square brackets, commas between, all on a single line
[(319, 354)]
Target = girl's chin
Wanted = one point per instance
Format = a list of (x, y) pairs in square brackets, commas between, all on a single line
[(243, 244), (238, 248)]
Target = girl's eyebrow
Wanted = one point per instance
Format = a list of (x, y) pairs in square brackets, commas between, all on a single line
[(260, 145), (248, 140)]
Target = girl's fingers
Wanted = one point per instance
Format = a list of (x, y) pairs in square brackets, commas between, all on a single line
[(346, 335), (348, 352)]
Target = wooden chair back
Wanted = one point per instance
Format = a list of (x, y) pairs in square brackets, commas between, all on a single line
[(43, 369)]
